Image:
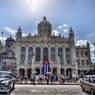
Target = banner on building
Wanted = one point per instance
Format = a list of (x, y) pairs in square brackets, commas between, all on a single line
[(45, 67)]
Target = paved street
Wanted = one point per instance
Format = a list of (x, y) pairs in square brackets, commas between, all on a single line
[(47, 90)]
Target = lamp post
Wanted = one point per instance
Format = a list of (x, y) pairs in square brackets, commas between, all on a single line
[(32, 62), (59, 63)]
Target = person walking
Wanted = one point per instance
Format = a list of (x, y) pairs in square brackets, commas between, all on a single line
[(47, 78), (34, 78)]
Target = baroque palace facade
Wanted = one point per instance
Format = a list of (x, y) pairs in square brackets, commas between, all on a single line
[(29, 52)]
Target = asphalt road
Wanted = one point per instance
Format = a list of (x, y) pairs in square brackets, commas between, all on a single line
[(47, 90)]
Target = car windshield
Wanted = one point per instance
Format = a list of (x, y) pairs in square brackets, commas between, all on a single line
[(93, 79), (4, 75)]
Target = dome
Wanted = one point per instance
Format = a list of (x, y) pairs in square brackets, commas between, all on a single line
[(10, 39), (44, 22)]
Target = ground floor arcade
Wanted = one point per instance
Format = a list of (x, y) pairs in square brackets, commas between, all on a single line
[(27, 72)]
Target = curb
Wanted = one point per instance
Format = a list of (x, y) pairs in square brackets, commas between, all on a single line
[(45, 84)]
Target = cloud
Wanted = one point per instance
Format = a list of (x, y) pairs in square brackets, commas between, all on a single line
[(59, 26), (24, 34), (65, 25), (33, 10), (2, 40), (27, 0), (55, 32), (10, 30), (33, 4), (65, 30), (81, 43)]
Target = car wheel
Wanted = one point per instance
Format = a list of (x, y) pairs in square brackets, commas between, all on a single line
[(82, 88), (92, 92), (8, 93)]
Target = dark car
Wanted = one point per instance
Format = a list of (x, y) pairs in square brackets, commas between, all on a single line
[(89, 72), (7, 82), (88, 84)]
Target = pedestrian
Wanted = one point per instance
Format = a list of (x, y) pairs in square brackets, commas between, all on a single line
[(34, 78), (25, 78), (47, 78)]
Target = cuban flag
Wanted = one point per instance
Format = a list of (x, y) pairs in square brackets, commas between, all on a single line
[(45, 67)]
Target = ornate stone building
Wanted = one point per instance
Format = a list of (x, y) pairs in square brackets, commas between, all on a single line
[(63, 56), (7, 56)]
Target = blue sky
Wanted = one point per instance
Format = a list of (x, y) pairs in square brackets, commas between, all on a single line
[(62, 14)]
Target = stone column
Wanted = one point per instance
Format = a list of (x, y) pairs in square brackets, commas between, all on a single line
[(32, 64), (73, 60), (64, 72), (49, 52), (51, 70), (25, 72), (64, 55), (34, 51), (58, 66), (57, 59), (33, 58), (17, 71), (26, 55), (40, 70), (41, 53), (18, 54)]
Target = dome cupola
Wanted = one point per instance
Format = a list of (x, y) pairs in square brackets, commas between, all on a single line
[(44, 27)]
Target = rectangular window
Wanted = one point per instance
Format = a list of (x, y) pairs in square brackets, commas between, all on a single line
[(87, 62), (82, 62), (86, 53), (22, 56), (78, 62), (67, 56), (77, 53), (30, 57), (82, 53)]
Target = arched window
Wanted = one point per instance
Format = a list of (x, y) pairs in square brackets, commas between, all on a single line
[(45, 54), (67, 52), (30, 49), (53, 53), (60, 54), (38, 53), (30, 54), (23, 49), (23, 52)]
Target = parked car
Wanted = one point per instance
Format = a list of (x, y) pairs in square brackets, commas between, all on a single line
[(88, 84), (7, 81), (89, 72)]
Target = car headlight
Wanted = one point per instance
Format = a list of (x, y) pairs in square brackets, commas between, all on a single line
[(6, 84)]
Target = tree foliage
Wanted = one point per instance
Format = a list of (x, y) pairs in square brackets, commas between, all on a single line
[(93, 66)]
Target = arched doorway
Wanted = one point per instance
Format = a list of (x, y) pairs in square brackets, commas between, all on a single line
[(69, 73), (54, 71), (21, 72), (62, 71), (29, 72), (37, 70)]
